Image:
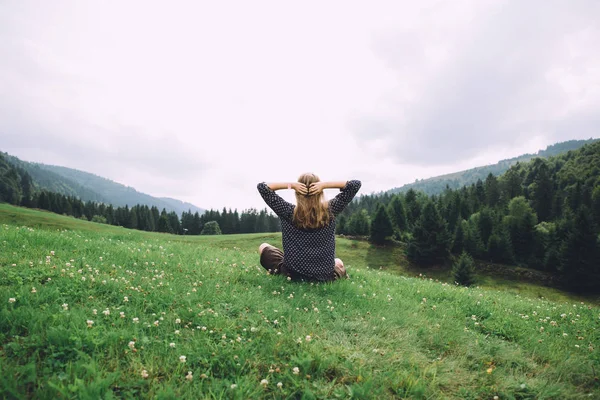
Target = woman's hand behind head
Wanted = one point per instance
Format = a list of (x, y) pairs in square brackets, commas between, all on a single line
[(300, 188), (315, 188)]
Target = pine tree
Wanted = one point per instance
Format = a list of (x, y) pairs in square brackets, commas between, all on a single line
[(499, 249), (413, 208), (579, 253), (397, 214), (195, 229), (463, 270), (543, 191), (340, 226), (485, 223), (359, 223), (133, 219), (211, 228), (174, 222), (236, 222), (110, 213), (511, 183), (381, 226), (431, 241), (454, 211), (27, 189), (273, 223), (163, 223), (473, 243), (492, 190), (544, 239), (43, 201), (520, 223), (458, 244), (479, 194)]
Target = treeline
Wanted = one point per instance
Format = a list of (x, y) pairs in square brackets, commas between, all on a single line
[(16, 187), (544, 214)]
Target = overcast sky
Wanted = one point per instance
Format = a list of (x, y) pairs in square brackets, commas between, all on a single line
[(201, 100)]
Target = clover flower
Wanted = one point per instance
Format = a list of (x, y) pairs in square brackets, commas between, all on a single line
[(172, 344), (144, 374), (296, 370), (189, 376), (131, 345), (65, 306), (89, 323), (12, 300), (182, 359), (264, 382)]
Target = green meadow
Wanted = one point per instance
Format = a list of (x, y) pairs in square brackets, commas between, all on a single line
[(91, 311)]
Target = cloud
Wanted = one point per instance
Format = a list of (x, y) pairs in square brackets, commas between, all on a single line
[(111, 149), (495, 83), (200, 103)]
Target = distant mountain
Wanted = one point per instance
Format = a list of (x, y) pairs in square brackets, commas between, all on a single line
[(437, 185), (91, 187)]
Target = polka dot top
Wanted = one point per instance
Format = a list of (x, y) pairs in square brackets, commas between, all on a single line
[(309, 253)]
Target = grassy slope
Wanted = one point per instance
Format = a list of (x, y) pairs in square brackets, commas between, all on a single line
[(377, 335)]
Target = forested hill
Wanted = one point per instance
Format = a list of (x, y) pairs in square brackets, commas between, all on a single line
[(90, 187), (436, 185), (543, 214)]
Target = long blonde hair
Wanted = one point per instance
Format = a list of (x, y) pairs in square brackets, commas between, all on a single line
[(311, 212)]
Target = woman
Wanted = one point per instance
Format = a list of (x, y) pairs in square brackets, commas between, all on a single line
[(308, 229)]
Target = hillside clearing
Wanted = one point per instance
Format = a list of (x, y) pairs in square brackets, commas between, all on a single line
[(93, 311)]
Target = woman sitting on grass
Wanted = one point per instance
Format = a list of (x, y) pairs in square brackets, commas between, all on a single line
[(308, 229)]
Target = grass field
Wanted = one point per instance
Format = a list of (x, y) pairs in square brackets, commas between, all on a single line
[(94, 311)]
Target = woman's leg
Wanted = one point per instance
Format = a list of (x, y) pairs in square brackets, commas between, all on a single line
[(340, 270), (271, 258)]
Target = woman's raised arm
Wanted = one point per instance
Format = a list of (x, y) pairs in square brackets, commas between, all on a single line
[(347, 192)]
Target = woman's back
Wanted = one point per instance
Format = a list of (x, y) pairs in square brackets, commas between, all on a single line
[(309, 253)]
